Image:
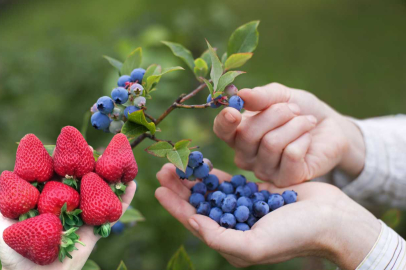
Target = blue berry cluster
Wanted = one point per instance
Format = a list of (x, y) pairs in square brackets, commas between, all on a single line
[(108, 114), (236, 204), (198, 167), (234, 101)]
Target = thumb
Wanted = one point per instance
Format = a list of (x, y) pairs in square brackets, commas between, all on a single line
[(260, 98)]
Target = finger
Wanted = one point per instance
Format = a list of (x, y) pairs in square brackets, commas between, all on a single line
[(168, 178), (128, 196), (226, 124), (222, 176), (293, 168), (231, 242), (273, 143), (260, 98), (250, 131)]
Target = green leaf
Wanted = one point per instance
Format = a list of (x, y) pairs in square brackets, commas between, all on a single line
[(217, 68), (244, 39), (151, 70), (180, 261), (179, 158), (132, 130), (181, 52), (91, 265), (132, 62), (182, 144), (132, 215), (122, 266), (206, 56), (115, 63), (227, 78), (159, 149), (237, 60), (224, 58), (138, 117), (209, 86), (201, 69), (50, 149), (154, 79)]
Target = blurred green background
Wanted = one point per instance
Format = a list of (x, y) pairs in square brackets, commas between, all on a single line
[(351, 54)]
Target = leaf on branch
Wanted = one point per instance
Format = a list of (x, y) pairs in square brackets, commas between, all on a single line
[(115, 63), (216, 67), (122, 266), (151, 70), (178, 155), (131, 215), (132, 62), (227, 78), (159, 149), (154, 79), (209, 86), (133, 130), (206, 56), (91, 265), (224, 58), (244, 39), (138, 117), (237, 60), (181, 52), (180, 261), (201, 69)]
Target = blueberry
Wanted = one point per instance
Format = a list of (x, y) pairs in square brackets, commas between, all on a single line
[(215, 104), (115, 126), (257, 196), (137, 75), (253, 186), (236, 102), (229, 204), (211, 181), (217, 198), (226, 187), (251, 220), (275, 201), (118, 228), (266, 194), (242, 227), (208, 197), (242, 213), (260, 209), (231, 90), (204, 208), (105, 105), (215, 214), (233, 195), (245, 201), (238, 180), (243, 191), (199, 188), (289, 196), (227, 220), (140, 101), (119, 95), (195, 159), (117, 113), (208, 162), (201, 171), (184, 175), (195, 199), (136, 89), (130, 110), (122, 80), (100, 121)]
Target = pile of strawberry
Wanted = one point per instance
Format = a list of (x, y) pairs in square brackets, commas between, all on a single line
[(53, 196)]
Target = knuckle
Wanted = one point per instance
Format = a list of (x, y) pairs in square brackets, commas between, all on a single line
[(241, 163), (245, 134), (272, 142), (292, 153)]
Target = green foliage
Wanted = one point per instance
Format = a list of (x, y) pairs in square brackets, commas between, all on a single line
[(201, 69), (132, 215), (216, 68), (153, 79), (115, 63), (177, 154), (237, 60), (244, 39), (132, 62), (181, 52), (90, 265), (226, 79), (138, 117), (70, 219), (206, 57), (122, 266), (133, 130), (180, 261), (209, 86)]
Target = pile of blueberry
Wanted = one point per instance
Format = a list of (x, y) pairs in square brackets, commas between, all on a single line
[(236, 204), (109, 113), (234, 101)]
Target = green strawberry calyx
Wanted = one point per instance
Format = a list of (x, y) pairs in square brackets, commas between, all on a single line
[(102, 230), (118, 189), (68, 241), (70, 219), (29, 214), (70, 181)]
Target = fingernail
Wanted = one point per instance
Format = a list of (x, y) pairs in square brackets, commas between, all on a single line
[(230, 118), (312, 119), (194, 225), (294, 108)]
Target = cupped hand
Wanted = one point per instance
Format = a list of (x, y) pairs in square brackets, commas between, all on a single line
[(323, 222), (287, 136), (11, 260)]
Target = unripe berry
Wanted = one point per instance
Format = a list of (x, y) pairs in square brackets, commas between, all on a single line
[(94, 109), (115, 126), (209, 163), (136, 89), (231, 90), (140, 101), (117, 113)]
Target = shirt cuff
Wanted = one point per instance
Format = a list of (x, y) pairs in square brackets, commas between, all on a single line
[(388, 252)]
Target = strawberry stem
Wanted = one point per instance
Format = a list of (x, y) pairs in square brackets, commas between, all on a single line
[(102, 230), (72, 182), (68, 241), (118, 189), (70, 219), (30, 214)]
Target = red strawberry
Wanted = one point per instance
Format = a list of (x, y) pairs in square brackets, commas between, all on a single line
[(73, 156), (33, 163), (17, 196), (39, 239), (53, 198), (117, 164), (98, 203)]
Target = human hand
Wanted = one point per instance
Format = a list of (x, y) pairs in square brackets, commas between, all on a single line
[(287, 136), (323, 222), (11, 260)]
